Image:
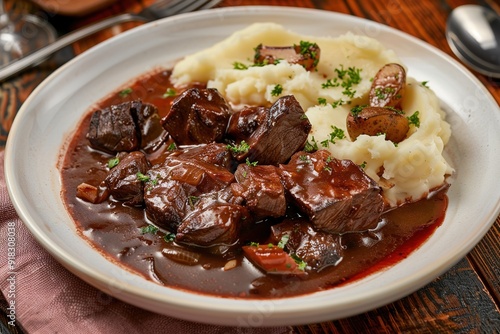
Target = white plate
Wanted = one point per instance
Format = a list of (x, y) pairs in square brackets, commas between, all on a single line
[(56, 106)]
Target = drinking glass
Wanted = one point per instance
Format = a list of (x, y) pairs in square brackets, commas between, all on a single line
[(21, 33)]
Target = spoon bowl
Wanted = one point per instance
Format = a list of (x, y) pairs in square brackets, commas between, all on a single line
[(473, 33)]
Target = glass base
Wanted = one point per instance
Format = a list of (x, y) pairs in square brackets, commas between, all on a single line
[(22, 35)]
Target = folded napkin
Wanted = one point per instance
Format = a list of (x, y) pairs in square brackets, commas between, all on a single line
[(50, 299)]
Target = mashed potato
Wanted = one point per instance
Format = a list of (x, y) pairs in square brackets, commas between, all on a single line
[(406, 171)]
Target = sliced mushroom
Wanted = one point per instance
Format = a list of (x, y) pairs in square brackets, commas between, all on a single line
[(374, 121), (388, 86)]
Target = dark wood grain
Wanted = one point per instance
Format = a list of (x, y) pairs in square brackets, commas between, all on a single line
[(466, 298)]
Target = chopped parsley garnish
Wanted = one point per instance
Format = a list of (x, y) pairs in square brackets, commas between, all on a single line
[(394, 109), (113, 162), (337, 103), (192, 200), (414, 119), (301, 263), (243, 147), (383, 93), (330, 83), (169, 93), (149, 229), (305, 158), (363, 165), (337, 133), (141, 177), (357, 109), (306, 48), (311, 146), (277, 90), (155, 181), (283, 241), (125, 92), (424, 83), (321, 101), (172, 147), (239, 66), (254, 244), (251, 163), (346, 78), (169, 237)]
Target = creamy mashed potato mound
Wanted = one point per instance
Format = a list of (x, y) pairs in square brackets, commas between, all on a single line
[(406, 171)]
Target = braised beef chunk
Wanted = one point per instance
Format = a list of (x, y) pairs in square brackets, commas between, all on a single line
[(148, 123), (244, 122), (197, 116), (262, 190), (124, 181), (213, 153), (113, 129), (128, 126), (212, 223), (282, 133), (182, 177), (336, 195), (318, 249)]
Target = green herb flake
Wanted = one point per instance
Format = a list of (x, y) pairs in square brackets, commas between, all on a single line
[(170, 92), (424, 83), (150, 229), (283, 241), (251, 163), (243, 147), (346, 78), (125, 92), (311, 146), (277, 90), (330, 83), (141, 177), (172, 147), (363, 165), (394, 109), (357, 109), (239, 66), (192, 200), (321, 101), (301, 263), (337, 103), (415, 119), (254, 244), (337, 133), (169, 237), (113, 162)]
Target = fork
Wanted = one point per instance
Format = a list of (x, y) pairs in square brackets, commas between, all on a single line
[(159, 9)]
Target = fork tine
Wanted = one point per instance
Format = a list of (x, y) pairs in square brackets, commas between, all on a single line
[(210, 4), (192, 5)]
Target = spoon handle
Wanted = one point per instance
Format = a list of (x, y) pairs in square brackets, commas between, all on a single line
[(41, 54)]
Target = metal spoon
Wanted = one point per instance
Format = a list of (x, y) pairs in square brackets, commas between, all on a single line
[(473, 33)]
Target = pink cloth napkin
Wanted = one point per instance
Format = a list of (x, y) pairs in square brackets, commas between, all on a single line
[(50, 299)]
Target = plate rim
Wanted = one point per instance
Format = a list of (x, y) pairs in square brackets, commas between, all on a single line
[(67, 261)]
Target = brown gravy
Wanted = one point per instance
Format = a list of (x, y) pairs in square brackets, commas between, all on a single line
[(115, 229)]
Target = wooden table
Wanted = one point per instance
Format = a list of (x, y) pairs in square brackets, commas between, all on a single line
[(466, 299)]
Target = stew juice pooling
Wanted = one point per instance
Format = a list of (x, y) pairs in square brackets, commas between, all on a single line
[(124, 232)]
